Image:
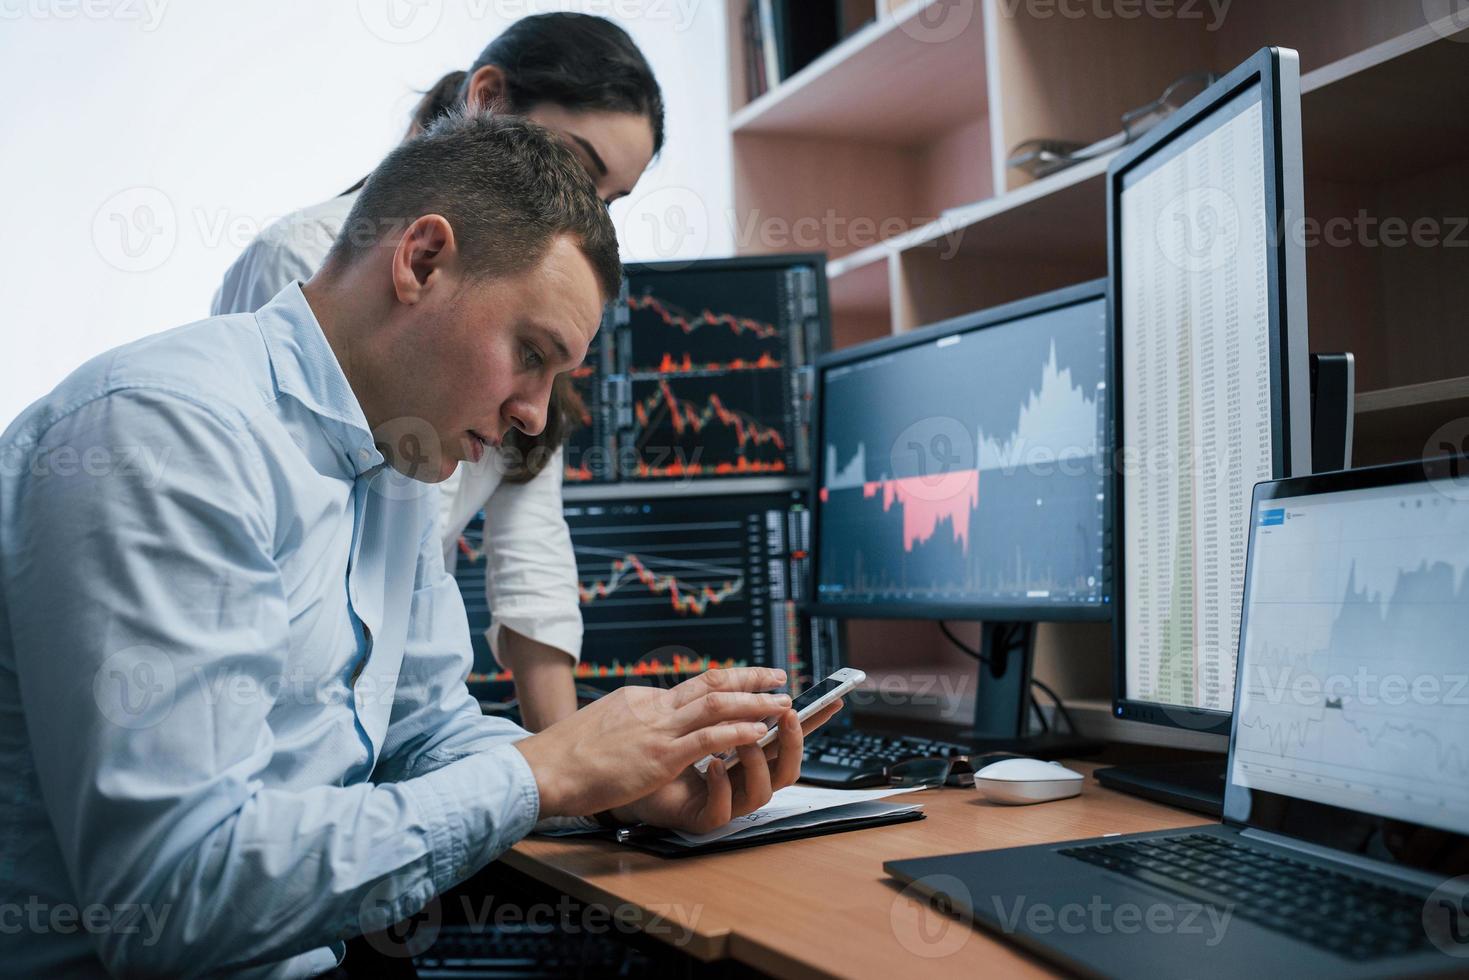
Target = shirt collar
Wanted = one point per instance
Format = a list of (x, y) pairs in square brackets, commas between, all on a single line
[(306, 368)]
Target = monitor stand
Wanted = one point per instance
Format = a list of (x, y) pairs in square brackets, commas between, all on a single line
[(1002, 702), (1196, 786)]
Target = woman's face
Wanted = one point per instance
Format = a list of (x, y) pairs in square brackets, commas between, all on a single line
[(615, 147)]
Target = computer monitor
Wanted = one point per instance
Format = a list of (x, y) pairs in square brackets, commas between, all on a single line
[(671, 586), (1352, 667), (1212, 377), (702, 370), (962, 474)]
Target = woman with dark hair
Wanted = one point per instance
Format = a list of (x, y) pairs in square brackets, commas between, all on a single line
[(583, 78)]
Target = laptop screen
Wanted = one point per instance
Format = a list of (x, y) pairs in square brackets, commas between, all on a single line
[(1354, 681)]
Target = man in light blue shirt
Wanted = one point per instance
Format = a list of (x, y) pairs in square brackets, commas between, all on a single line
[(232, 699)]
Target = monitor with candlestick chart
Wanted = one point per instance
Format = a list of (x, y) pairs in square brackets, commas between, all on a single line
[(672, 586), (703, 370)]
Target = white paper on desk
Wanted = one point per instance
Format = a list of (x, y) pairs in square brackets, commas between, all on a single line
[(796, 801), (818, 818)]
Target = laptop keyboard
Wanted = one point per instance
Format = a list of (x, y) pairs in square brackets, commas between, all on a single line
[(1357, 919)]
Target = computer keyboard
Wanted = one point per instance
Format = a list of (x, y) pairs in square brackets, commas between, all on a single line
[(1354, 918), (850, 758), (526, 952)]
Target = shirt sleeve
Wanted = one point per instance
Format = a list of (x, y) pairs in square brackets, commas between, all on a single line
[(435, 720), (530, 574), (150, 626)]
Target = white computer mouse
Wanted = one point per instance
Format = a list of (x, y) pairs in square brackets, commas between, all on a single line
[(1021, 781)]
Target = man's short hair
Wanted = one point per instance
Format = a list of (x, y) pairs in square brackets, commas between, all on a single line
[(507, 187)]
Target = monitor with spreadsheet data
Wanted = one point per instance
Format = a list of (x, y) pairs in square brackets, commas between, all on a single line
[(1208, 288)]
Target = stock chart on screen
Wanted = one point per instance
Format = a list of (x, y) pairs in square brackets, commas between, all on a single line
[(969, 469), (1352, 681), (703, 370), (671, 587), (591, 449)]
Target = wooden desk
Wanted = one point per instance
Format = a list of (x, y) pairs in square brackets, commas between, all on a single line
[(824, 907)]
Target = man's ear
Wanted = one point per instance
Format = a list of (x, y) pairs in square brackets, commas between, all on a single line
[(425, 256), (489, 91)]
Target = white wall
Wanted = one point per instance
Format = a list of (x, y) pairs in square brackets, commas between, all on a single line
[(188, 125)]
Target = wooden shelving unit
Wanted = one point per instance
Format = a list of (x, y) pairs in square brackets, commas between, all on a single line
[(906, 126), (1430, 419), (818, 100)]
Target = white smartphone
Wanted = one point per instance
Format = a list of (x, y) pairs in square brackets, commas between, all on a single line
[(808, 703)]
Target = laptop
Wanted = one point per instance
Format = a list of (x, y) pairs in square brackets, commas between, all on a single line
[(1344, 849)]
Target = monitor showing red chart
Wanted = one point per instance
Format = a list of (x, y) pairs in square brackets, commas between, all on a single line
[(969, 466), (672, 586), (703, 370)]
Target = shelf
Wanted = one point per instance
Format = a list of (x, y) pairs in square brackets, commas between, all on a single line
[(1427, 395), (1381, 53), (1388, 112), (1386, 154), (1047, 234), (1401, 423), (1356, 292), (913, 82), (1073, 77), (861, 303), (857, 261), (1062, 214), (1044, 236), (1028, 210), (888, 126), (1338, 96), (860, 288)]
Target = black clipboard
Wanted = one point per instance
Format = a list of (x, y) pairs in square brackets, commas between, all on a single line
[(659, 843)]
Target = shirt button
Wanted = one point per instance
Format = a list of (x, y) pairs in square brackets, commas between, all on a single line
[(364, 454)]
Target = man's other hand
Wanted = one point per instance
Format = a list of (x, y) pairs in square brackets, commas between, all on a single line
[(638, 740)]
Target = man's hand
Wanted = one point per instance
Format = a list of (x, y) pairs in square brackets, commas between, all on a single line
[(699, 804), (635, 740)]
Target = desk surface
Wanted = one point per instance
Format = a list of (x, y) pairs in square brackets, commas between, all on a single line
[(823, 906)]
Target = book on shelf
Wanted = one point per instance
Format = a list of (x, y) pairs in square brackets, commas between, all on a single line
[(754, 70), (783, 36), (769, 45)]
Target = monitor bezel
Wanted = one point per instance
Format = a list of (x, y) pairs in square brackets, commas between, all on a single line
[(995, 316), (1277, 72), (1323, 823)]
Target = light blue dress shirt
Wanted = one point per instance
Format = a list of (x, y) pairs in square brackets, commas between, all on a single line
[(233, 717)]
